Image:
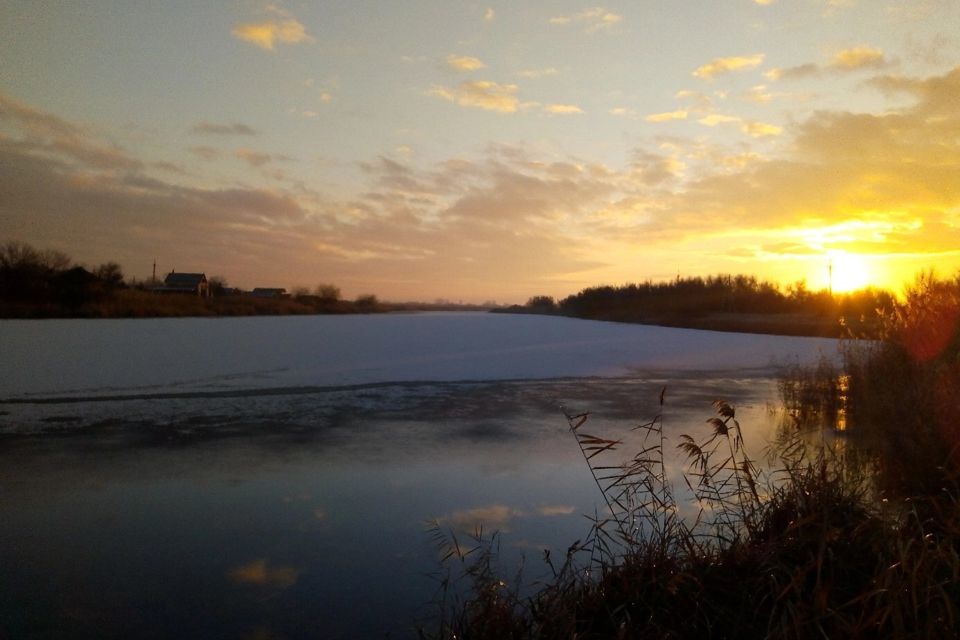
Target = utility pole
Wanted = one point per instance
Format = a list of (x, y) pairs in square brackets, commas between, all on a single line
[(830, 271), (154, 270)]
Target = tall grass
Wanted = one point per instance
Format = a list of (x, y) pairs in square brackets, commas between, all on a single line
[(805, 550)]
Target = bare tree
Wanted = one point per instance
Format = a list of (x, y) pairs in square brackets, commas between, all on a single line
[(110, 274), (217, 285), (327, 293)]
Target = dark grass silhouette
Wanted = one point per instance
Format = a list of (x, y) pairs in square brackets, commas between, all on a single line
[(803, 551)]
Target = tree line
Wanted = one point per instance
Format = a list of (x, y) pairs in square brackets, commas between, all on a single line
[(46, 283), (727, 302)]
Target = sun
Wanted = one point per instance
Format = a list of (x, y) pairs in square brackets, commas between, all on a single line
[(850, 271)]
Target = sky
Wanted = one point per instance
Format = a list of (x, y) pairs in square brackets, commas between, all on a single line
[(485, 151)]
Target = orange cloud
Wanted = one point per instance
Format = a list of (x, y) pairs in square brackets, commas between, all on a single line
[(464, 63), (714, 119), (235, 128), (858, 58), (595, 19), (481, 94), (55, 135), (881, 182), (268, 33), (846, 60), (563, 109), (667, 116), (721, 66), (537, 73), (254, 158), (760, 129), (793, 73)]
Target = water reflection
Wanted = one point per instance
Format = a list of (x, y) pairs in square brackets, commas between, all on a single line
[(843, 390), (302, 516), (262, 573)]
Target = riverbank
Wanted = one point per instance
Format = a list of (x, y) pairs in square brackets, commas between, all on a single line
[(136, 303), (782, 324)]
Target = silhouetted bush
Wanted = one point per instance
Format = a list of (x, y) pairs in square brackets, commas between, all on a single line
[(733, 303), (541, 304)]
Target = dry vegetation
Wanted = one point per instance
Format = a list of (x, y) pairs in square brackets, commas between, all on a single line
[(857, 541)]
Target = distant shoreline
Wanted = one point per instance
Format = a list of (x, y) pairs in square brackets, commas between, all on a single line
[(132, 303), (777, 324), (780, 324)]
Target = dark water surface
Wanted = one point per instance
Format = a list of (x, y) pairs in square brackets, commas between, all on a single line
[(301, 514)]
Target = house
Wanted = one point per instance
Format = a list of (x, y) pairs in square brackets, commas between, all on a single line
[(265, 292), (191, 283)]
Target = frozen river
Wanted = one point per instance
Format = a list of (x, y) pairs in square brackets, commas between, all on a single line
[(272, 477), (106, 357)]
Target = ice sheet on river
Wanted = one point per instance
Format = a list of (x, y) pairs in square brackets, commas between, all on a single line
[(51, 358)]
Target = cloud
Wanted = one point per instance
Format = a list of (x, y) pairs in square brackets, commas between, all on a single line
[(537, 73), (758, 94), (205, 153), (667, 116), (654, 169), (793, 73), (897, 167), (858, 58), (789, 248), (845, 60), (254, 158), (563, 109), (843, 180), (761, 129), (235, 128), (720, 66), (53, 135), (481, 94), (413, 226), (714, 119), (268, 33), (594, 19), (936, 94), (698, 102), (464, 63)]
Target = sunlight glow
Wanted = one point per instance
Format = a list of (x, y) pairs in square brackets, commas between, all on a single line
[(850, 271)]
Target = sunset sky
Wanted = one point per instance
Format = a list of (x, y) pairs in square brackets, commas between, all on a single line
[(485, 151)]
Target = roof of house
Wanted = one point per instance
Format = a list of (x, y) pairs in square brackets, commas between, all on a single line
[(178, 280)]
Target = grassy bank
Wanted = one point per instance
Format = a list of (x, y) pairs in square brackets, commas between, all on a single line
[(804, 551)]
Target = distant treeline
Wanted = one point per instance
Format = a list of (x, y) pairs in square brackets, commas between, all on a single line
[(726, 303), (38, 283)]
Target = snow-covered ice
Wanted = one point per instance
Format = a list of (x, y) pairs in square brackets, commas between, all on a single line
[(94, 357)]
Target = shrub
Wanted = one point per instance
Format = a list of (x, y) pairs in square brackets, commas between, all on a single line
[(805, 551)]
